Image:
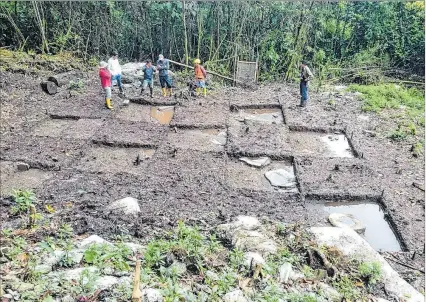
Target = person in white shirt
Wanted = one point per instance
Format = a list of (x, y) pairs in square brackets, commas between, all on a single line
[(115, 69)]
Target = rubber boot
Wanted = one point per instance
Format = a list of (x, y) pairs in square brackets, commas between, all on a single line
[(205, 92), (164, 91), (169, 91), (108, 104), (197, 91), (151, 91)]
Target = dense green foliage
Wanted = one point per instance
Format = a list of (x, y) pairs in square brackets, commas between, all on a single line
[(405, 105), (278, 34)]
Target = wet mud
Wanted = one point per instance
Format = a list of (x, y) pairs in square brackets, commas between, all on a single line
[(86, 156)]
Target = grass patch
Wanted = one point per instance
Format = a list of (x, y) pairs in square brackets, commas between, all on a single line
[(408, 101)]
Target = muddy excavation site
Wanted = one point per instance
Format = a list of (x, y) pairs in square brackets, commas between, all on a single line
[(205, 160)]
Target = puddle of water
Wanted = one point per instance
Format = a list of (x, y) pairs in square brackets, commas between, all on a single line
[(267, 115), (163, 114), (337, 145), (318, 144), (378, 232)]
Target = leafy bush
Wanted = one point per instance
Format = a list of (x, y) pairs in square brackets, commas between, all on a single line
[(410, 101), (371, 271), (23, 200), (108, 255), (76, 85), (346, 287)]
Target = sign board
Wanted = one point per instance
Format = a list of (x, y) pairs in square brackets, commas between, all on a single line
[(246, 72)]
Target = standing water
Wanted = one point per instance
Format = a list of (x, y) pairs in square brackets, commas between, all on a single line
[(378, 232), (163, 114)]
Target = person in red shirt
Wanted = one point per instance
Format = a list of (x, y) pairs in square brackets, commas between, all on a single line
[(105, 76)]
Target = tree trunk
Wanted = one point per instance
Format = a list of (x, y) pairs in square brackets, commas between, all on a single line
[(65, 78), (49, 87), (185, 32)]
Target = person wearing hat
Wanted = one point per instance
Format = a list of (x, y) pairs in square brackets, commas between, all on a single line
[(148, 77), (105, 76), (305, 76), (165, 81), (115, 69), (200, 77)]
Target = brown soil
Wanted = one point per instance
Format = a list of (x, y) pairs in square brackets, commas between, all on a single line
[(83, 157)]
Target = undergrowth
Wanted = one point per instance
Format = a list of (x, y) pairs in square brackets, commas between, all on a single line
[(190, 265), (405, 105)]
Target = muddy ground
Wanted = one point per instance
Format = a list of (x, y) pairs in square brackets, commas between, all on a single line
[(182, 163)]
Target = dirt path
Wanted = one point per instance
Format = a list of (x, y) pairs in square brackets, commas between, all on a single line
[(83, 157)]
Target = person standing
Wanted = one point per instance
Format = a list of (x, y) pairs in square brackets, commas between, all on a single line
[(115, 69), (165, 81), (200, 77), (305, 76), (148, 77), (105, 76)]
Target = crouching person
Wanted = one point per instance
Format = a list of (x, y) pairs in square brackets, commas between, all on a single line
[(148, 77), (105, 76)]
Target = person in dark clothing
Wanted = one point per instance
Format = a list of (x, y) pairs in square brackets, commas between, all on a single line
[(148, 77), (305, 76), (165, 81)]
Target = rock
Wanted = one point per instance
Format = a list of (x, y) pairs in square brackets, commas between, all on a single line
[(105, 282), (134, 246), (22, 166), (285, 272), (220, 139), (126, 102), (151, 295), (256, 258), (253, 241), (257, 162), (93, 239), (128, 206), (126, 281), (248, 223), (340, 87), (43, 268), (354, 246), (10, 278), (234, 296), (296, 276), (369, 133), (283, 178), (329, 292), (76, 256), (7, 296), (341, 220), (72, 274), (212, 275), (4, 251), (179, 268), (67, 298), (227, 231), (108, 270)]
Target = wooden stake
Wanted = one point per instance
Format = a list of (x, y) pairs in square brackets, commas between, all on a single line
[(31, 220), (137, 294)]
